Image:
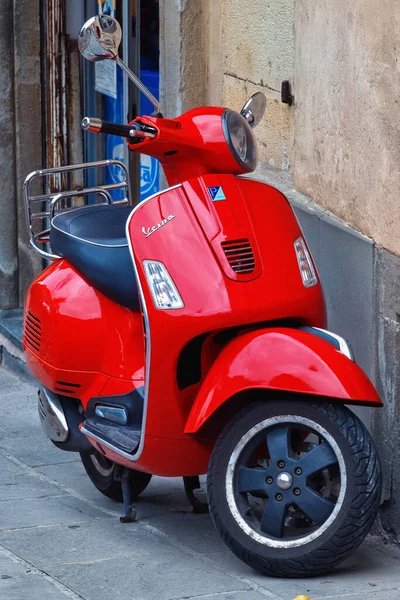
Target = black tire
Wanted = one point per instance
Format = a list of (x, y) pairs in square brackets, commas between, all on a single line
[(102, 474), (349, 488)]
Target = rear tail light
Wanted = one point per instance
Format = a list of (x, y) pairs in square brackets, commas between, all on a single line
[(164, 292), (306, 266)]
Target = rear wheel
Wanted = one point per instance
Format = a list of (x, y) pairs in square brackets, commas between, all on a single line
[(294, 488), (102, 474)]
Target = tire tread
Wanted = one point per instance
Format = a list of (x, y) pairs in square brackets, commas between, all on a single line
[(356, 525)]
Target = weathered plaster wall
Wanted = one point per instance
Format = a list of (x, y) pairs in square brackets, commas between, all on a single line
[(183, 55), (222, 51), (257, 40), (347, 115)]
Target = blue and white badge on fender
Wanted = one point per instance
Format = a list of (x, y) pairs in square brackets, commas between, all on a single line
[(216, 193)]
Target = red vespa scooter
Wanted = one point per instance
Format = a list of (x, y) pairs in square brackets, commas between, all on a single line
[(186, 336)]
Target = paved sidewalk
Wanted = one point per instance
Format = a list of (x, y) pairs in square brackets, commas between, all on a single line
[(61, 539)]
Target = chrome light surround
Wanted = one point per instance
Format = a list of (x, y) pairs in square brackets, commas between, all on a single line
[(240, 139)]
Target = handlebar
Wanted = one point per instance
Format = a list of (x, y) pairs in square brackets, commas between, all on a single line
[(135, 130)]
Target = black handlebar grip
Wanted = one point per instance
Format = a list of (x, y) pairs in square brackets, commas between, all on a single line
[(99, 126)]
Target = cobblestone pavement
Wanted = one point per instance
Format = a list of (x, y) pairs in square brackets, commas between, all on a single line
[(60, 538)]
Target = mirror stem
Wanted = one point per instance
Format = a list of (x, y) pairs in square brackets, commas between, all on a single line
[(139, 84)]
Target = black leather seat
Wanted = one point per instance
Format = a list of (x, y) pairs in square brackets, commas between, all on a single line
[(93, 240)]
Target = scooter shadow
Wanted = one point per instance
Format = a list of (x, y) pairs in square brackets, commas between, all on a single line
[(165, 507), (368, 573)]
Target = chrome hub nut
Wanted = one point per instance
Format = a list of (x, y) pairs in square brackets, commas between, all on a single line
[(284, 481)]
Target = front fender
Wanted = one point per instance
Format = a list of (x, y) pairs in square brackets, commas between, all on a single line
[(291, 360)]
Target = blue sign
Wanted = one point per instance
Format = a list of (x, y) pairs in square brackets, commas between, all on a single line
[(216, 193), (149, 166), (107, 7), (149, 176)]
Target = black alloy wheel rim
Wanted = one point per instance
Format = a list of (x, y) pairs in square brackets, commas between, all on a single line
[(287, 482)]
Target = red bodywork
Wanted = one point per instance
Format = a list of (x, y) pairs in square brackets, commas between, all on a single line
[(191, 145), (283, 359), (74, 335), (98, 347)]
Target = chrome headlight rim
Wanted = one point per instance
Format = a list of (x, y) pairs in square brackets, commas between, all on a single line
[(250, 162)]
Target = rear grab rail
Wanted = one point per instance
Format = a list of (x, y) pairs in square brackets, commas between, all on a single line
[(41, 208)]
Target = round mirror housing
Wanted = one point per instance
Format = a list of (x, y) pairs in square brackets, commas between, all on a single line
[(254, 109), (99, 38)]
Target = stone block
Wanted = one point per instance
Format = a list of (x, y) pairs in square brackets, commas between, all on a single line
[(386, 424)]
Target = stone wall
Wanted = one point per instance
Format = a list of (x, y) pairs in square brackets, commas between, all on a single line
[(28, 126), (257, 55), (347, 115), (20, 119), (335, 154), (8, 221)]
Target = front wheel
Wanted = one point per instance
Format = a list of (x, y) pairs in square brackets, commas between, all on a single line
[(102, 474), (293, 488)]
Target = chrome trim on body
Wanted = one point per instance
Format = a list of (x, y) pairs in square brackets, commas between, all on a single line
[(89, 434), (345, 347), (52, 416), (96, 438)]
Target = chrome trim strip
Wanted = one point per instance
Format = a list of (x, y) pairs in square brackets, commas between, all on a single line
[(89, 434), (345, 347), (136, 456)]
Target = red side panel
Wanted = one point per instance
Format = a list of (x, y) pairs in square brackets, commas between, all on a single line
[(280, 359), (76, 336)]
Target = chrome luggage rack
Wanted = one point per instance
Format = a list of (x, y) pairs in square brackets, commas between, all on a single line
[(41, 208)]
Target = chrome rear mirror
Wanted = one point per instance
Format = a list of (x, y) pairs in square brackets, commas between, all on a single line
[(254, 109), (100, 38)]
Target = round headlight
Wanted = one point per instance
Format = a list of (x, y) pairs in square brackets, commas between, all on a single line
[(240, 139)]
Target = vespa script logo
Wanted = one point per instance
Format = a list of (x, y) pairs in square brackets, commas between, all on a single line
[(150, 230)]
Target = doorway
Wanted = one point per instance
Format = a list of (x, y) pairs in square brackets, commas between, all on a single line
[(108, 94)]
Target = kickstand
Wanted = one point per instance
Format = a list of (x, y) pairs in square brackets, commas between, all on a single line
[(122, 475), (193, 483)]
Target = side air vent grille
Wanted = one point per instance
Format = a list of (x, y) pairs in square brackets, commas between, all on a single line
[(32, 332), (240, 255), (66, 388)]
